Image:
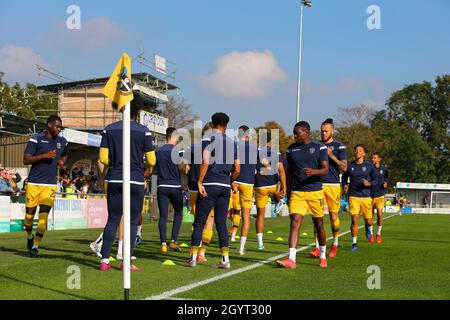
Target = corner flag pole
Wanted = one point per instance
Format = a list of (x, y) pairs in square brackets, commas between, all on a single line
[(119, 90), (126, 201)]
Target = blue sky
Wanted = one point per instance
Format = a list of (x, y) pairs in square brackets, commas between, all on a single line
[(239, 57)]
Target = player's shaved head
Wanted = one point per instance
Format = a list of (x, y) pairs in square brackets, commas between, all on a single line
[(302, 124), (302, 133)]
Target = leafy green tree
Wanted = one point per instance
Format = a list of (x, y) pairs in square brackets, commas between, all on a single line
[(27, 102), (418, 110), (284, 140)]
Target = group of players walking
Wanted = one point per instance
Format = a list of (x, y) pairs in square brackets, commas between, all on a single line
[(222, 175)]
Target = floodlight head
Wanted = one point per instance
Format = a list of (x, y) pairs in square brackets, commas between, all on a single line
[(307, 3)]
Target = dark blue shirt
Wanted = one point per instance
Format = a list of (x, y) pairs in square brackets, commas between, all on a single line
[(45, 171), (340, 153), (193, 156), (247, 155), (168, 173), (377, 189), (223, 152), (140, 143), (301, 156), (267, 177), (356, 173)]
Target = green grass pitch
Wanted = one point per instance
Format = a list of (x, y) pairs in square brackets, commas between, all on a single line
[(413, 261)]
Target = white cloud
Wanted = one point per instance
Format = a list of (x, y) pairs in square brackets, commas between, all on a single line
[(19, 63), (96, 33), (244, 75)]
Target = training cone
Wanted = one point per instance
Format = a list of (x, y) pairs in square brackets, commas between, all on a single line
[(168, 263), (280, 239), (184, 245), (304, 234), (269, 232)]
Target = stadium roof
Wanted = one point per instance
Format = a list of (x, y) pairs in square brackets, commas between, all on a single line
[(142, 77), (11, 125)]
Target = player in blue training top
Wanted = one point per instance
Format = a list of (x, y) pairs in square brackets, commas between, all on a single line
[(378, 191), (243, 186), (193, 161), (362, 176), (141, 146), (270, 179), (332, 183), (46, 152), (307, 163), (220, 167), (169, 188)]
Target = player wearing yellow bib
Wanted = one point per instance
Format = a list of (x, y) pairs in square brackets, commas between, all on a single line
[(362, 175), (332, 183), (307, 163)]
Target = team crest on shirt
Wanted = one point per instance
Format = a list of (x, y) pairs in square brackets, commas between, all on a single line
[(312, 150), (364, 169), (331, 147), (58, 145), (381, 171)]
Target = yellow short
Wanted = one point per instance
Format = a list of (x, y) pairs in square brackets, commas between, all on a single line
[(245, 195), (39, 195), (361, 206), (302, 202), (262, 195), (378, 203), (234, 201), (332, 196), (193, 201)]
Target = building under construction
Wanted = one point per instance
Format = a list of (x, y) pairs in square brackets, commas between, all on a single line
[(85, 112)]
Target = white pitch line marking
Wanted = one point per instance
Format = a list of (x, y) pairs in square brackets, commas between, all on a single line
[(170, 293)]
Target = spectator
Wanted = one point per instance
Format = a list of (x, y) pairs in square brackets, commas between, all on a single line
[(77, 172), (13, 179), (78, 181), (6, 189), (84, 189), (425, 200)]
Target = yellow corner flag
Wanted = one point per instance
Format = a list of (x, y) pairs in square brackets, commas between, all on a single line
[(118, 88)]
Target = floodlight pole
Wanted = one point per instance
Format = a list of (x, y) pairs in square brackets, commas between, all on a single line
[(307, 3), (126, 201)]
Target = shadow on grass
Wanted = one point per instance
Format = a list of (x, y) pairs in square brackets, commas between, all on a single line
[(67, 257), (418, 240), (45, 288)]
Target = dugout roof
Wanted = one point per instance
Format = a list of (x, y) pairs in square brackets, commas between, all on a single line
[(11, 125)]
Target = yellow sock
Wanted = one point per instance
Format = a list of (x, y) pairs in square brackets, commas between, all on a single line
[(206, 239), (335, 227), (236, 223), (42, 227), (225, 251), (28, 223)]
